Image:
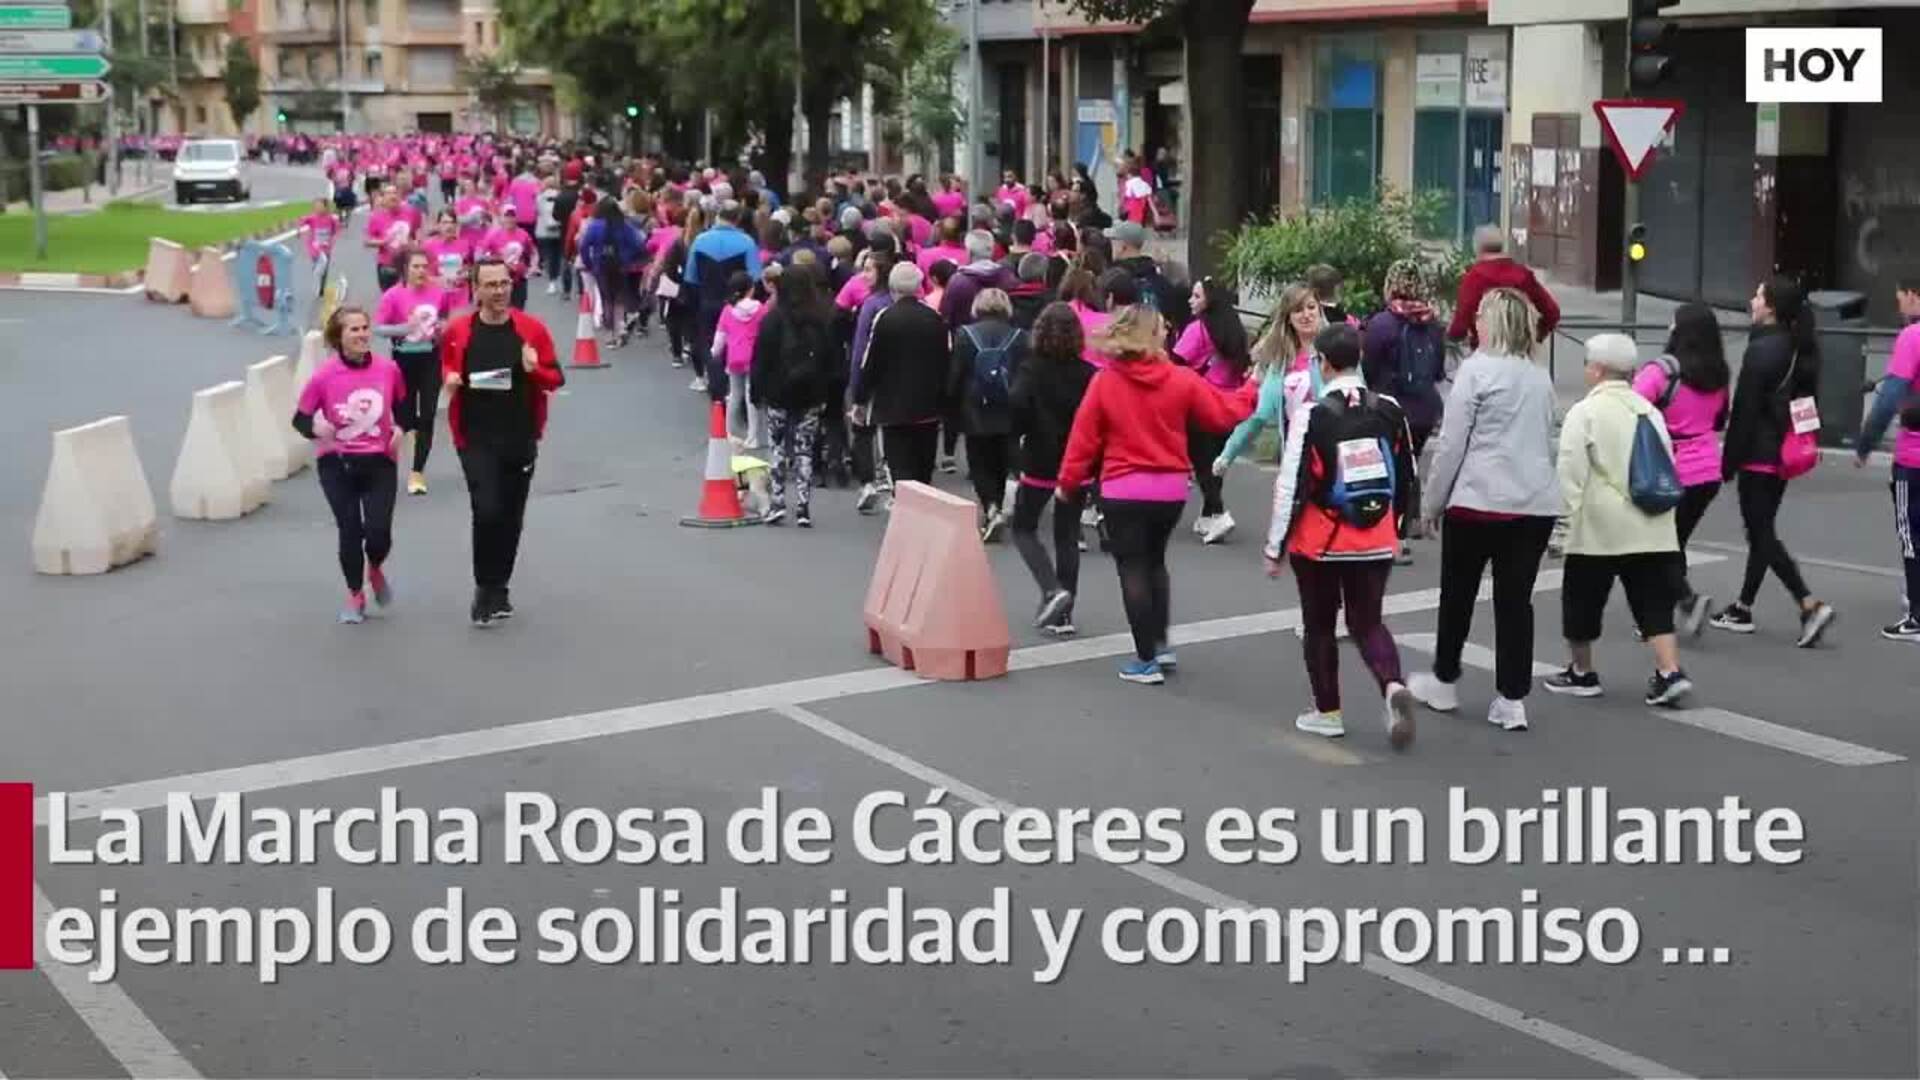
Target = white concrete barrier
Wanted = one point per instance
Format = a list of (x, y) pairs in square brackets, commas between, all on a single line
[(96, 511), (219, 475), (270, 397), (313, 346)]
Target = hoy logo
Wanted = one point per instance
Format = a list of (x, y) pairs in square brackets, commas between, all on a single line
[(1813, 64)]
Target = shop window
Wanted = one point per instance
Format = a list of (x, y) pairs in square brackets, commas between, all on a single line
[(1346, 118), (1460, 88), (524, 119)]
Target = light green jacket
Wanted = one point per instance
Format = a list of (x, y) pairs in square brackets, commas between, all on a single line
[(1596, 449)]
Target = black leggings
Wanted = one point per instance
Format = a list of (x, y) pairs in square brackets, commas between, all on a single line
[(360, 489), (1203, 447), (1064, 571), (1693, 506), (1137, 535), (1760, 498), (909, 449), (422, 372), (987, 467)]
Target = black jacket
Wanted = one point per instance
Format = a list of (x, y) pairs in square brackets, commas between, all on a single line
[(904, 372), (1046, 395), (773, 384), (1029, 300), (1770, 376), (978, 417), (1155, 288)]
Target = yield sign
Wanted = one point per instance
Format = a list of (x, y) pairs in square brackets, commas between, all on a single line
[(1635, 127)]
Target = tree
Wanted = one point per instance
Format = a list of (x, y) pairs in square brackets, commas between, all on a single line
[(494, 82), (242, 78), (1215, 32), (932, 115)]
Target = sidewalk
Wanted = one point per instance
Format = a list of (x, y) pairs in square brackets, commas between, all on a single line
[(92, 197)]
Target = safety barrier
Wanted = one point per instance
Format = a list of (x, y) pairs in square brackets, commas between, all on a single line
[(270, 396), (933, 606), (96, 511), (313, 346), (211, 295), (219, 475), (169, 273)]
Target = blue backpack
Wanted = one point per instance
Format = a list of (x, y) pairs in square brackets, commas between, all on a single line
[(1652, 484), (992, 376), (1357, 452)]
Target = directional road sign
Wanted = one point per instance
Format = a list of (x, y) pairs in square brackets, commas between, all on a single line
[(55, 92), (40, 67), (1634, 127), (35, 17), (49, 41)]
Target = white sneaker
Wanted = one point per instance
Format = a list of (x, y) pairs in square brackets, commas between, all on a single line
[(1314, 722), (1428, 690), (1201, 524), (1507, 714), (1218, 529), (553, 288), (698, 385), (1399, 716)]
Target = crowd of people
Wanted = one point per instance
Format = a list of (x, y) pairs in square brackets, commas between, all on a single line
[(858, 337)]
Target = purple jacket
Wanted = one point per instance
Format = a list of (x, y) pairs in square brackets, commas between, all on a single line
[(876, 302), (956, 308)]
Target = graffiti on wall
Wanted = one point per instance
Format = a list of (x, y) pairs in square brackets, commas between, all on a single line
[(1880, 211)]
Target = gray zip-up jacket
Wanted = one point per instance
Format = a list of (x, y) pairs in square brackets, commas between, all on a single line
[(1495, 450)]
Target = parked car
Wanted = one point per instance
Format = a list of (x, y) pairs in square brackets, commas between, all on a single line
[(211, 168)]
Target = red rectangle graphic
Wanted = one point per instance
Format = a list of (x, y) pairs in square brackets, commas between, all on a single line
[(16, 876)]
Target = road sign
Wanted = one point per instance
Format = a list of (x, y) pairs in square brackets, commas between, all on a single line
[(1634, 127), (55, 92), (35, 17), (40, 67), (49, 41)]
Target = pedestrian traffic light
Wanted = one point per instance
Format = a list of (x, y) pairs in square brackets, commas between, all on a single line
[(281, 116), (1647, 34), (633, 111), (1636, 243)]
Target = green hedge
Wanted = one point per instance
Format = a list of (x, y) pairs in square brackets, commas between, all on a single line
[(62, 172), (1360, 237)]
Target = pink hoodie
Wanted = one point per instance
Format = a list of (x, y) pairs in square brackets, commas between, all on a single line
[(738, 331)]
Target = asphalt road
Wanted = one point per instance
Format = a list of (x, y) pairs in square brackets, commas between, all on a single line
[(688, 668)]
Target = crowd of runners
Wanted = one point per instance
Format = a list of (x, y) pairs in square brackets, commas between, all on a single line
[(857, 338)]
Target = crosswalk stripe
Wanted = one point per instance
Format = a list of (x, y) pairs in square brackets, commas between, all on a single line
[(1779, 736)]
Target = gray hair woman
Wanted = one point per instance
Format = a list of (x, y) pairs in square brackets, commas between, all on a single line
[(987, 353), (1611, 536), (1492, 494)]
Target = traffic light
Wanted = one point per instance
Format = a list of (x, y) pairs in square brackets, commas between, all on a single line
[(281, 116), (1647, 34), (1636, 243), (633, 111)]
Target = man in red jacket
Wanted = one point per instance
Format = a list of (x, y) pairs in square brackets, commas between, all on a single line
[(500, 365), (1494, 269)]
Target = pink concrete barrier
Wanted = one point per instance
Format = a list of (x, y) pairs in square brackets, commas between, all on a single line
[(933, 606)]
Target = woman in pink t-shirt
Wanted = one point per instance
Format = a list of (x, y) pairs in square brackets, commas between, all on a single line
[(1082, 295), (451, 257), (413, 315), (1690, 385), (1215, 345), (353, 408)]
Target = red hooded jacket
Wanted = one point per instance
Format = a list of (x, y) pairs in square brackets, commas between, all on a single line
[(1135, 416), (546, 377), (1496, 274)]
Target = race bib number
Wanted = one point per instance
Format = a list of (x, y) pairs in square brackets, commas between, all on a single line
[(1360, 459), (1805, 414), (450, 267), (496, 380)]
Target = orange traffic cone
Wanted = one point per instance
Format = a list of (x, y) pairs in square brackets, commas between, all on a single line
[(719, 495), (586, 347)]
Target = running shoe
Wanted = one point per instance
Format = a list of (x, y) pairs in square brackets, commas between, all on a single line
[(949, 466), (698, 385), (775, 516), (482, 612), (1907, 629), (1052, 606), (1814, 623), (1144, 672), (1399, 716), (1327, 724), (1669, 688), (996, 521), (1164, 657), (1219, 528), (355, 611), (1062, 626), (869, 498), (803, 518), (1573, 683), (382, 588), (1201, 524), (1507, 714), (502, 605), (1734, 619), (1693, 614), (416, 483), (1404, 557), (1428, 690)]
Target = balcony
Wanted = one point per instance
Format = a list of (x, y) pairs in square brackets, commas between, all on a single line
[(202, 12), (285, 85), (309, 26)]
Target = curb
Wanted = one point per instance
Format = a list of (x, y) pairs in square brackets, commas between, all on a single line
[(126, 279)]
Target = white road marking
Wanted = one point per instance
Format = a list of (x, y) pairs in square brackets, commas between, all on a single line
[(1809, 560), (122, 1028), (1592, 1049), (1780, 737), (463, 745), (1472, 655)]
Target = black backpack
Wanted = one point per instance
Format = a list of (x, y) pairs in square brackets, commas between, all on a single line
[(991, 379), (806, 357), (1419, 362), (1356, 450)]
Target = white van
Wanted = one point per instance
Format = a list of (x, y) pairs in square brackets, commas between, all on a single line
[(211, 168)]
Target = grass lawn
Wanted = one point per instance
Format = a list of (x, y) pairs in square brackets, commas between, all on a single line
[(115, 238)]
